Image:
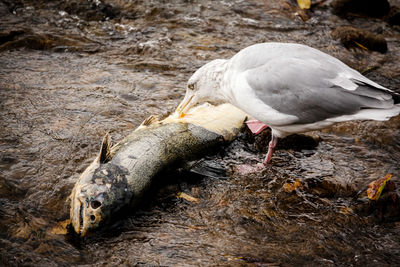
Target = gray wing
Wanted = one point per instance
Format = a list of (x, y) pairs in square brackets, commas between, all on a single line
[(314, 90)]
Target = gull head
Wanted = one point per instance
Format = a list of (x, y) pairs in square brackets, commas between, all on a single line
[(204, 86)]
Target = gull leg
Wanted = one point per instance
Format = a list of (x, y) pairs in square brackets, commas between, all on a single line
[(245, 169), (256, 127), (271, 148)]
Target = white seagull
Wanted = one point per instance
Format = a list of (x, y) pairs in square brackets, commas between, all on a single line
[(292, 88)]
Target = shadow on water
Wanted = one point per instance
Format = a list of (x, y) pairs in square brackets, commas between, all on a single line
[(72, 71)]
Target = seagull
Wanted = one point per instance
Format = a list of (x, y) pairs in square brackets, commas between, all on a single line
[(292, 88)]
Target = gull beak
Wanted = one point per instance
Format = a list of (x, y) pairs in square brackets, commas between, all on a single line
[(186, 103)]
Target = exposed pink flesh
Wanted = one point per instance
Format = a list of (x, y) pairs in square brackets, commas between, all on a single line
[(245, 169), (256, 126)]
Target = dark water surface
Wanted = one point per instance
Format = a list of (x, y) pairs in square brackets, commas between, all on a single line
[(72, 71)]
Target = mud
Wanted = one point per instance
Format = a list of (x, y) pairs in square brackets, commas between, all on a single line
[(70, 72)]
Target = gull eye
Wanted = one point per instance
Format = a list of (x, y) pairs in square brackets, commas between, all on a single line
[(191, 86)]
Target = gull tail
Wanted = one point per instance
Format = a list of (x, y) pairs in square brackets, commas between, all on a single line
[(380, 104), (370, 114)]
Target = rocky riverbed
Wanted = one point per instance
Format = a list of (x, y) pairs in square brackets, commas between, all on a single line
[(70, 71)]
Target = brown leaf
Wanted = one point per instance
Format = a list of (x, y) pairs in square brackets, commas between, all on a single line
[(375, 188), (304, 4), (188, 197), (290, 187)]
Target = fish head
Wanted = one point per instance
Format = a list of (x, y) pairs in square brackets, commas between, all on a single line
[(101, 190), (95, 201)]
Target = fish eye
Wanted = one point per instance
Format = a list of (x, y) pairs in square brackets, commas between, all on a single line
[(95, 204), (191, 86), (92, 218)]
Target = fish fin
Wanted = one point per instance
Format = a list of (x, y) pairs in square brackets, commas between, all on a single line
[(105, 151), (150, 120)]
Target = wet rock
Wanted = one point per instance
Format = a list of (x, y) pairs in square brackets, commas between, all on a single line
[(91, 10), (394, 16), (373, 8), (353, 37), (151, 65), (327, 187), (10, 35), (46, 41), (260, 141), (383, 134), (295, 141), (299, 142), (12, 5), (9, 188), (129, 97), (151, 47)]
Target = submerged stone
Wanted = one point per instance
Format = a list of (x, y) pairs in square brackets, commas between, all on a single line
[(352, 37), (373, 8)]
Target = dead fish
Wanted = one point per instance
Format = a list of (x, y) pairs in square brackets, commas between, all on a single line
[(120, 175)]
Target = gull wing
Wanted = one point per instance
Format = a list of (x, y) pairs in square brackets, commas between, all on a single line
[(314, 86)]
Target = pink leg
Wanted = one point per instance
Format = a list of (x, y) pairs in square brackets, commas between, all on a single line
[(255, 126), (271, 148)]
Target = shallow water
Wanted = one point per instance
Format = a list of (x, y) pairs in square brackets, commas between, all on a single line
[(70, 72)]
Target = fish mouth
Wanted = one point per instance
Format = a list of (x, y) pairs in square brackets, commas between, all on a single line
[(80, 218)]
